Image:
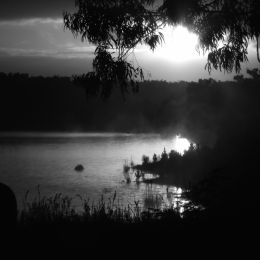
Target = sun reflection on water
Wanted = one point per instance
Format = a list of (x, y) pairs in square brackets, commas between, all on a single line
[(181, 144), (160, 197)]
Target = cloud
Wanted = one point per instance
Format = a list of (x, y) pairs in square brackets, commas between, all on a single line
[(17, 9), (41, 37), (32, 22), (68, 53)]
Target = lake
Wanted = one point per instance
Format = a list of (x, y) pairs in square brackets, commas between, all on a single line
[(48, 160)]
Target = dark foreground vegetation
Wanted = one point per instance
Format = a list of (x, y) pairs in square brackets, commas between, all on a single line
[(176, 169), (51, 225)]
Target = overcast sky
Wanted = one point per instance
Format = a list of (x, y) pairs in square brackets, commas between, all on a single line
[(33, 41)]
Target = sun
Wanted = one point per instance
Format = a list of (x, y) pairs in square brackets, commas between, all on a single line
[(179, 44)]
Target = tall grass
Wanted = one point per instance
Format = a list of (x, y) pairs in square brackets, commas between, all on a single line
[(47, 209), (59, 208)]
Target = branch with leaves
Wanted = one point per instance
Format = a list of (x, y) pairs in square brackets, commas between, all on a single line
[(224, 28), (116, 27)]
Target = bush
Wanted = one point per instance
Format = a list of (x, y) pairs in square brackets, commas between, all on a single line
[(145, 159)]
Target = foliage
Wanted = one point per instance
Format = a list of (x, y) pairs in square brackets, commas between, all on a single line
[(164, 155), (145, 159), (180, 170), (173, 154), (48, 209), (224, 28), (106, 225), (155, 158), (116, 27), (59, 208), (254, 73)]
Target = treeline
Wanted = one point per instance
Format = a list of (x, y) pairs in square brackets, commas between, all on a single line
[(198, 110)]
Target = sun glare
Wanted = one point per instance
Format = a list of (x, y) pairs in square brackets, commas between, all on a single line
[(181, 144), (179, 44)]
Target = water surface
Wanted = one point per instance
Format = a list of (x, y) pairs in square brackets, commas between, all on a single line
[(48, 160)]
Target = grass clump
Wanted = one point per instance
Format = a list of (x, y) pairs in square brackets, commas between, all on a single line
[(52, 223)]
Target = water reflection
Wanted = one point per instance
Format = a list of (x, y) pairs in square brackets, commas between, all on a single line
[(48, 160), (181, 144), (152, 200), (160, 197), (155, 196)]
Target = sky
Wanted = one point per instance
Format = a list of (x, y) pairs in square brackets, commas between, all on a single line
[(33, 40)]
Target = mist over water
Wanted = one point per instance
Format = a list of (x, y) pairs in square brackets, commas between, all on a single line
[(48, 160)]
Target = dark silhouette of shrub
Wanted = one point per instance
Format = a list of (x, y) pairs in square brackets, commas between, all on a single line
[(164, 156), (155, 159), (145, 159), (8, 216)]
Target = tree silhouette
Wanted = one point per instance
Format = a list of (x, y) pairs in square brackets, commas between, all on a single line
[(164, 155), (254, 73), (224, 28), (155, 159), (116, 27)]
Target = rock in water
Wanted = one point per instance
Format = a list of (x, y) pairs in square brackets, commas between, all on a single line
[(79, 168)]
